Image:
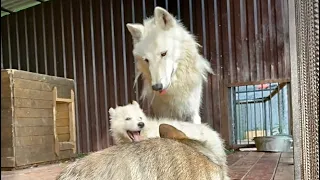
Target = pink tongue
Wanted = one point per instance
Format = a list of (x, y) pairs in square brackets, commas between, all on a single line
[(163, 92), (136, 136)]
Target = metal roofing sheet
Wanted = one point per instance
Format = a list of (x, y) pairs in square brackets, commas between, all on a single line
[(10, 6)]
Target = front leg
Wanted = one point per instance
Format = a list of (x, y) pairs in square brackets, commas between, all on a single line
[(196, 119)]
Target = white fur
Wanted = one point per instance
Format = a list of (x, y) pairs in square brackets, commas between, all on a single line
[(201, 132), (119, 125), (181, 71)]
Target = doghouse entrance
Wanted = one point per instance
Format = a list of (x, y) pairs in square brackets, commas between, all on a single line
[(64, 122)]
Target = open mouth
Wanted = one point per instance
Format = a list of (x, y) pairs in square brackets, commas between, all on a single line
[(162, 92), (134, 136)]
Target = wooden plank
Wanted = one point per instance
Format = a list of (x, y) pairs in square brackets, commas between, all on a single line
[(34, 140), (34, 154), (72, 124), (35, 158), (62, 122), (42, 78), (62, 90), (6, 102), (6, 137), (5, 73), (27, 122), (33, 131), (33, 113), (265, 167), (63, 130), (56, 139), (32, 149), (7, 162), (32, 94), (6, 90), (64, 100), (66, 146), (5, 76), (243, 166), (32, 103), (6, 118), (63, 137), (65, 154), (62, 107), (5, 81), (30, 84), (62, 114), (7, 152)]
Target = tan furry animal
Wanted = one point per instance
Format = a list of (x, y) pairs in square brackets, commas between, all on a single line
[(171, 157)]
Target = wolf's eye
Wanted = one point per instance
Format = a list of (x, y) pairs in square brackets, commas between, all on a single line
[(141, 118), (128, 118), (163, 54), (146, 60)]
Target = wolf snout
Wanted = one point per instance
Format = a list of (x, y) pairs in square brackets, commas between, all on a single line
[(157, 87), (140, 124)]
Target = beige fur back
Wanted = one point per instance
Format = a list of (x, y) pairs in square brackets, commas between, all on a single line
[(154, 159)]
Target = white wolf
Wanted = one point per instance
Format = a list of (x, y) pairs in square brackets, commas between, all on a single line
[(173, 71), (129, 124)]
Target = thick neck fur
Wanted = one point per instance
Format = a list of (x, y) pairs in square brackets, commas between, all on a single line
[(192, 68)]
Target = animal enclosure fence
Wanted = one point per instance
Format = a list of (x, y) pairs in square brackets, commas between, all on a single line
[(259, 110)]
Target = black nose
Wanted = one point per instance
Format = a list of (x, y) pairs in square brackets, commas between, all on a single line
[(141, 124), (157, 87)]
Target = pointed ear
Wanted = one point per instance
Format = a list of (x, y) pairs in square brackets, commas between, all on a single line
[(163, 18), (111, 112), (136, 103), (170, 132), (136, 31)]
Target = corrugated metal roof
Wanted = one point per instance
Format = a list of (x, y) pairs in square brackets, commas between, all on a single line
[(12, 6), (3, 13)]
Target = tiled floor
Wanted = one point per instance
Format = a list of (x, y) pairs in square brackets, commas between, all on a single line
[(243, 165), (262, 166)]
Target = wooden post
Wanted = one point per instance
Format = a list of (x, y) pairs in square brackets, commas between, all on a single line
[(56, 140), (72, 122)]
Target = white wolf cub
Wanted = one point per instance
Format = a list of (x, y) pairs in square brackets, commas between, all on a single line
[(129, 124), (173, 71)]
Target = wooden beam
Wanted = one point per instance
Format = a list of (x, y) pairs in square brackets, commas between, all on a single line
[(56, 140), (257, 82), (72, 124)]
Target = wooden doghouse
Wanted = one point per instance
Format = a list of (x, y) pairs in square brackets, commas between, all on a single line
[(37, 118)]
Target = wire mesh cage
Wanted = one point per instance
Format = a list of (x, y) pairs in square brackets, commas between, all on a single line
[(259, 110)]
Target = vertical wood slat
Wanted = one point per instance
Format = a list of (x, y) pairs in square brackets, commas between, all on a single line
[(84, 75), (55, 134), (245, 41), (72, 125)]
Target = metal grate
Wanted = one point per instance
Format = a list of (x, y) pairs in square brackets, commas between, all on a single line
[(259, 110)]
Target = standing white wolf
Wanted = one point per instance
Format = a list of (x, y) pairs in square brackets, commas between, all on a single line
[(173, 71), (129, 124)]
